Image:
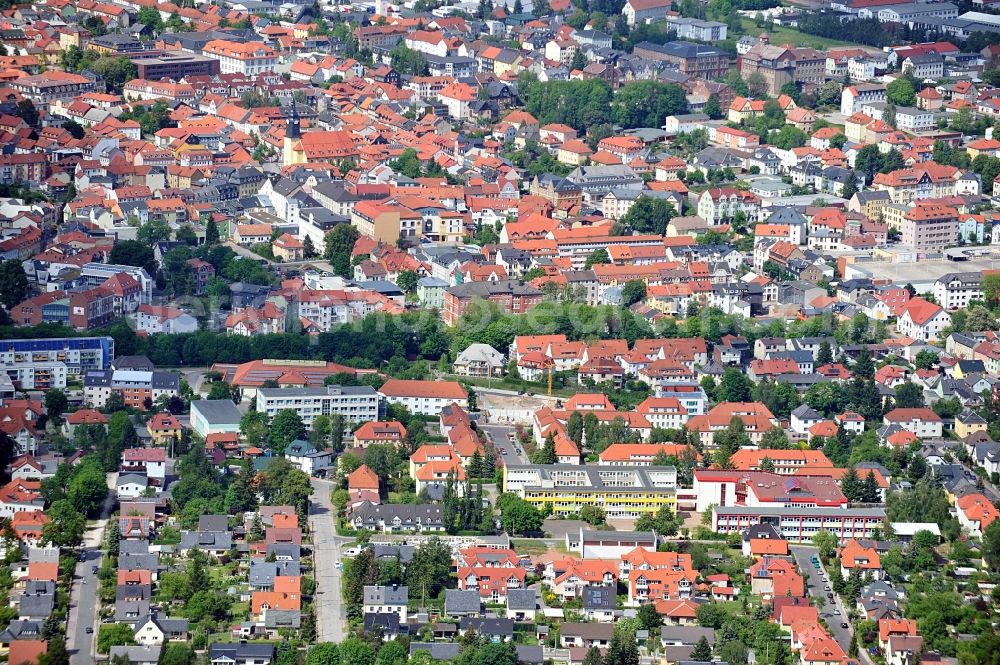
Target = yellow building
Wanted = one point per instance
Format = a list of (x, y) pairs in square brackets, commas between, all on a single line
[(623, 492), (968, 423)]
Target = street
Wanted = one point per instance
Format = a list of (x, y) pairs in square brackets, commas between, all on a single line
[(329, 601), (83, 596), (816, 583), (511, 451)]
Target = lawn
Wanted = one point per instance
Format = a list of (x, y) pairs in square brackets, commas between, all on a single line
[(529, 546), (781, 34)]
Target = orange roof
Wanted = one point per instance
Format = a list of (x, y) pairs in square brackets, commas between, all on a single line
[(977, 508), (26, 652), (363, 478)]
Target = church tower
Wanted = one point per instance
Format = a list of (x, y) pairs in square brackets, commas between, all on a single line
[(293, 133)]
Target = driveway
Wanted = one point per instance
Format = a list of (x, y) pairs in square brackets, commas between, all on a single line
[(511, 451), (329, 600), (83, 595), (816, 581)]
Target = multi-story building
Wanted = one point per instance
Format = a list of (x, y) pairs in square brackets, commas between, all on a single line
[(623, 492), (930, 228), (775, 63), (386, 223), (426, 398), (956, 289), (355, 403), (924, 181), (23, 169), (45, 88), (96, 274), (798, 524), (698, 30), (249, 59), (36, 375), (156, 89), (513, 297), (721, 203), (695, 60), (139, 389), (854, 98), (175, 66), (79, 354)]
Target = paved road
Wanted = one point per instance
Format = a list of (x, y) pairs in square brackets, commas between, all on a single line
[(83, 596), (501, 439), (816, 583), (329, 601)]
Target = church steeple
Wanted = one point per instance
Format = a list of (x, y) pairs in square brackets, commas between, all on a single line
[(293, 130)]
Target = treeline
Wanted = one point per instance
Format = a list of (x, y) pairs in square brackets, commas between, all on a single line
[(869, 31), (589, 103)]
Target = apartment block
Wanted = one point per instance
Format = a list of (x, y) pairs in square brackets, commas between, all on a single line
[(355, 403), (622, 491)]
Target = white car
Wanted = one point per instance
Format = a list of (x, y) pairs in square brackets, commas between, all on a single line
[(352, 552)]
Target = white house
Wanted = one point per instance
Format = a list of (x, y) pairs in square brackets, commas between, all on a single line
[(922, 320)]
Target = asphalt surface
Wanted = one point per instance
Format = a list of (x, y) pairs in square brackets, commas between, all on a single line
[(500, 434), (329, 600), (816, 583), (83, 596)]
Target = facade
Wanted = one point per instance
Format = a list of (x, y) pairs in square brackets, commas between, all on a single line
[(513, 297), (426, 398), (801, 524), (355, 403), (79, 354), (249, 59), (622, 491), (138, 389)]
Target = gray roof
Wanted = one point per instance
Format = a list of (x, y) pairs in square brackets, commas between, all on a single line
[(217, 411), (262, 573), (488, 626), (240, 651), (131, 611), (137, 654), (480, 353), (458, 601), (213, 523), (599, 597), (437, 650), (686, 634), (210, 540), (38, 606), (523, 599), (387, 595), (283, 619)]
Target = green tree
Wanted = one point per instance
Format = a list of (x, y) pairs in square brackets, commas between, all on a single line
[(901, 92), (633, 291), (826, 543), (339, 245), (596, 257), (133, 253), (211, 232), (286, 426), (55, 403), (517, 515), (851, 485), (66, 525), (113, 635), (712, 108), (649, 215), (702, 651), (407, 281), (324, 653), (735, 386), (26, 111), (909, 395), (13, 283)]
